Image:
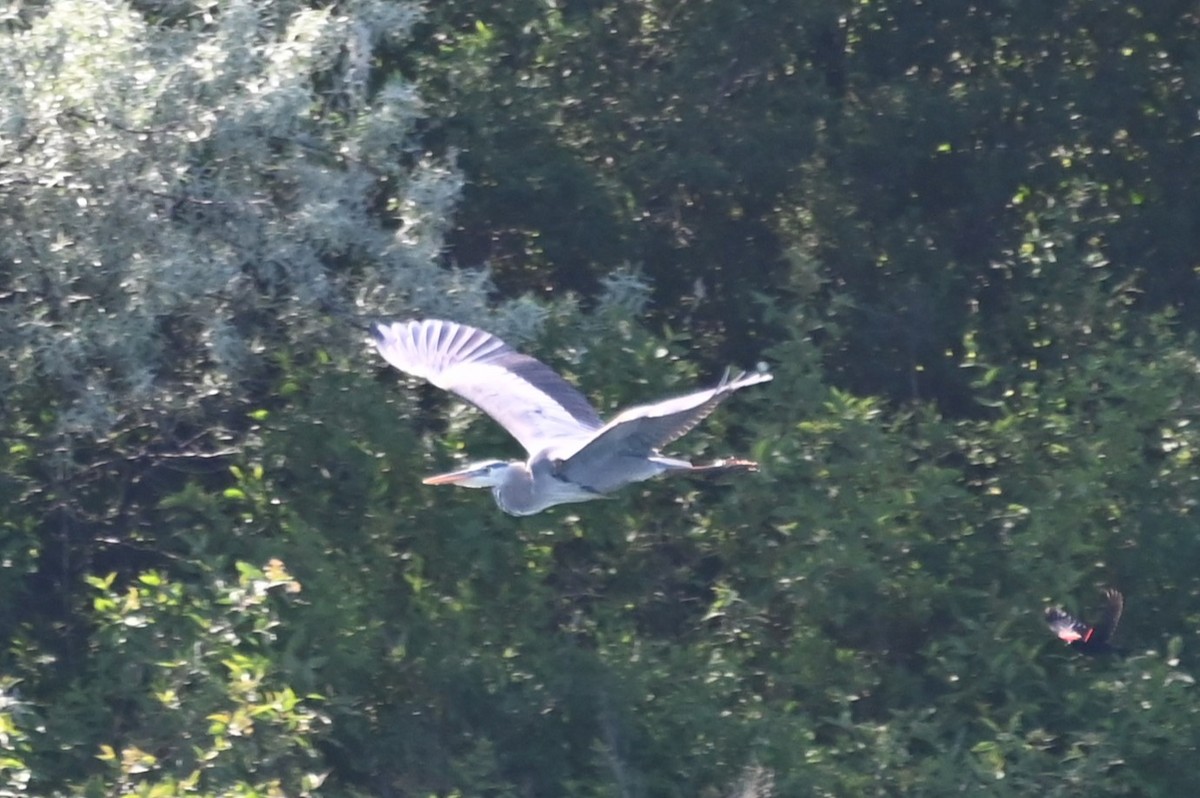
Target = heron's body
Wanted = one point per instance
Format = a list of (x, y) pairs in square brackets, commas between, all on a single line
[(573, 455)]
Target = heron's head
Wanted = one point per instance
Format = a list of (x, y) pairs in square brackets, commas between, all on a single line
[(487, 474)]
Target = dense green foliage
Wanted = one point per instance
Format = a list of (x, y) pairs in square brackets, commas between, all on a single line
[(963, 240), (895, 157)]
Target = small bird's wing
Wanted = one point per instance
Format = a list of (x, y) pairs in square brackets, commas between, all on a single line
[(1068, 629), (1114, 605), (641, 431), (527, 398)]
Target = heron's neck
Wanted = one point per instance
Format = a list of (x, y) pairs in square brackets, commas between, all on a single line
[(514, 491)]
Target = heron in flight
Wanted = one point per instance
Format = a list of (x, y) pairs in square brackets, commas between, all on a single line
[(573, 455)]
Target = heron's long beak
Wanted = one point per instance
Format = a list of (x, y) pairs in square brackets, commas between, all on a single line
[(473, 477)]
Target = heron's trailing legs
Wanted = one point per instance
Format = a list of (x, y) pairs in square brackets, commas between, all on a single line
[(724, 466)]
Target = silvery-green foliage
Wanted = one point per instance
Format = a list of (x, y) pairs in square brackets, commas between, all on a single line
[(755, 782), (176, 190), (626, 292)]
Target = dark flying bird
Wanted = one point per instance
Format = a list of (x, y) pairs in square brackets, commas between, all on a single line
[(573, 455), (1088, 639)]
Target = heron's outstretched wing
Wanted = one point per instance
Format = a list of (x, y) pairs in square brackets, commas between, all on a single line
[(525, 396), (642, 431)]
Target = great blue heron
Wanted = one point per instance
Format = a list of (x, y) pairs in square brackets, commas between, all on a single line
[(573, 455)]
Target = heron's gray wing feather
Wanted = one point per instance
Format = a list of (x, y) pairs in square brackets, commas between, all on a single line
[(537, 406), (641, 431)]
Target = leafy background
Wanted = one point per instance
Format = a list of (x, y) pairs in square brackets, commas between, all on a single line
[(963, 239)]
